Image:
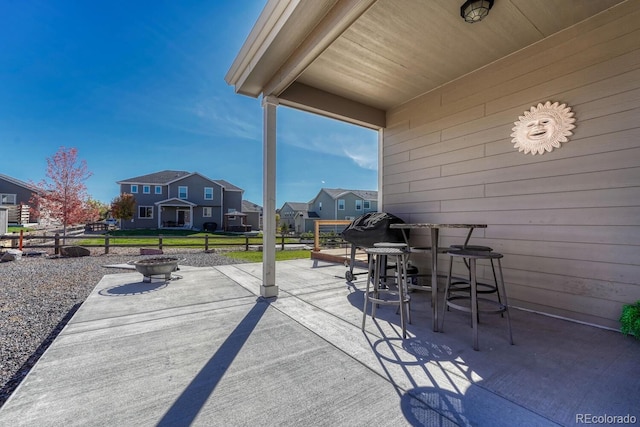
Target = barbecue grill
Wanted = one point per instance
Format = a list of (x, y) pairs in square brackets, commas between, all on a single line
[(368, 229)]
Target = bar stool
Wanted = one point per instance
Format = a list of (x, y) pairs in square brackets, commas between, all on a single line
[(384, 265), (423, 250), (377, 258), (463, 285), (489, 306)]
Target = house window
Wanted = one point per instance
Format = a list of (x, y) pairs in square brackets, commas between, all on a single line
[(340, 204), (145, 212), (7, 199), (146, 189), (158, 189), (367, 204), (208, 193), (207, 212), (358, 205), (134, 188), (183, 192), (320, 206)]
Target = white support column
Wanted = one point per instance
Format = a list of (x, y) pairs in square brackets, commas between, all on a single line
[(268, 287)]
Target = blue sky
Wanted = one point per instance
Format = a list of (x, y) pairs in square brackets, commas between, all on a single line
[(138, 87)]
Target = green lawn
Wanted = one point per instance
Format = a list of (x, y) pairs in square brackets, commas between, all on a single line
[(255, 256), (15, 229)]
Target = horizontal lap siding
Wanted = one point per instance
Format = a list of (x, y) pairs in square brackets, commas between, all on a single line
[(568, 222)]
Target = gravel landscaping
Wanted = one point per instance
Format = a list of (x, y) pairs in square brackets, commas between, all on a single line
[(39, 294)]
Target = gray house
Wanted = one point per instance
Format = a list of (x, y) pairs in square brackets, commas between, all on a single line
[(253, 214), (294, 215), (329, 203), (180, 199), (15, 196)]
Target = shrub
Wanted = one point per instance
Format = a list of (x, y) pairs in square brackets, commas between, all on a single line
[(630, 320)]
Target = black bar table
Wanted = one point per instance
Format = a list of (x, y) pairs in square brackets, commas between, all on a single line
[(435, 238)]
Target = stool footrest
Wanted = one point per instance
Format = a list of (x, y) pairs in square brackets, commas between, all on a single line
[(462, 285), (419, 287), (391, 294), (498, 307)]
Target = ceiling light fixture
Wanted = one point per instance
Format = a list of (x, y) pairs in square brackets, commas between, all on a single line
[(475, 10)]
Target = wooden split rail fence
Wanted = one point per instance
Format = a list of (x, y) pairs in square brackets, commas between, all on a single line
[(30, 241)]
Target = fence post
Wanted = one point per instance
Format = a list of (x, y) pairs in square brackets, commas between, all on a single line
[(246, 243), (21, 237), (206, 243), (282, 241), (160, 241), (56, 244), (316, 236), (106, 244)]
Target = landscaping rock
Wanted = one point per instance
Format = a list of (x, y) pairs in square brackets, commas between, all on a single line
[(74, 251), (6, 257), (11, 255)]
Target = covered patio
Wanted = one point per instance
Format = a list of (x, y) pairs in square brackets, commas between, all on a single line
[(452, 102), (174, 213), (206, 349)]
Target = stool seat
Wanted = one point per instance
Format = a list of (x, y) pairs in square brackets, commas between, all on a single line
[(385, 251), (470, 253), (422, 249), (471, 303), (390, 245), (472, 247)]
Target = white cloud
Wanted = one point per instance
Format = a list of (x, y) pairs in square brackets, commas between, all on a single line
[(362, 149)]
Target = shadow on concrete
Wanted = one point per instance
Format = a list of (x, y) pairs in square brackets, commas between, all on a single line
[(420, 405), (137, 288), (186, 408), (431, 406)]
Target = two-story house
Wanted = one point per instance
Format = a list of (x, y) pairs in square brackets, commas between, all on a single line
[(294, 215), (329, 203), (180, 199), (14, 197), (253, 212)]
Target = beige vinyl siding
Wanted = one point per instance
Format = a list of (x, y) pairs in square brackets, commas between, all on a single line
[(568, 222)]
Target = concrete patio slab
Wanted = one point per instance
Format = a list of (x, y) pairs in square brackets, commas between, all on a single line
[(205, 349)]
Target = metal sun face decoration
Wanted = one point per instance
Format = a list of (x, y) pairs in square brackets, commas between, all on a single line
[(543, 128)]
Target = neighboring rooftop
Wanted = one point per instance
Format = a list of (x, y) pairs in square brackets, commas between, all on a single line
[(363, 194), (162, 177), (18, 182)]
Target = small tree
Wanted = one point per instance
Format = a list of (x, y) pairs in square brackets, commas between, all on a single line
[(64, 195), (96, 210), (123, 207), (284, 228)]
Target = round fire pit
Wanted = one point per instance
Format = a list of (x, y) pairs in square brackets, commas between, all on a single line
[(162, 266)]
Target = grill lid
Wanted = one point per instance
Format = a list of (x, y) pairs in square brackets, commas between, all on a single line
[(373, 227)]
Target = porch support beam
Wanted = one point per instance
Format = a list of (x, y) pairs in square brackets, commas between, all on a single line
[(268, 288), (307, 98)]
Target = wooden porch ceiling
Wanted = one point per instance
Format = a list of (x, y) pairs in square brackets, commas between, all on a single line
[(356, 59)]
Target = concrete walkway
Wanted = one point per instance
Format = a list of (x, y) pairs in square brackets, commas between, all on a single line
[(205, 350)]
